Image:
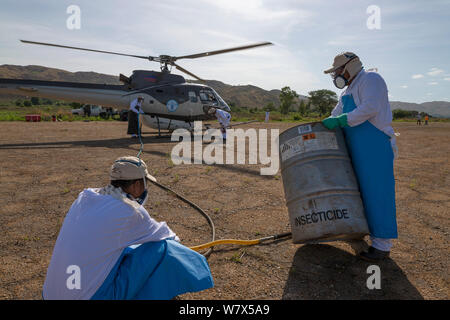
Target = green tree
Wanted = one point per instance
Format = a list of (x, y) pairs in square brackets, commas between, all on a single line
[(399, 113), (75, 105), (269, 107), (47, 101), (302, 108), (308, 107), (324, 100), (35, 101), (287, 97)]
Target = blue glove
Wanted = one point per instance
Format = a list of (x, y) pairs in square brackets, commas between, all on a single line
[(334, 122)]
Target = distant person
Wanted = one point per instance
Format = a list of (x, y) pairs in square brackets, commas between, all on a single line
[(135, 110), (87, 110), (426, 120), (364, 113), (224, 120), (419, 119), (109, 248)]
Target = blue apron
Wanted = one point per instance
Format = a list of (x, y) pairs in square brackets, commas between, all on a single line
[(155, 271), (373, 161)]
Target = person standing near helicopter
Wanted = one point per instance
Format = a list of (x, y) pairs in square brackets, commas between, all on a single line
[(224, 119), (364, 113), (133, 113)]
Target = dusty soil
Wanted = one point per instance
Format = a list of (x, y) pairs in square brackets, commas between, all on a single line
[(45, 165)]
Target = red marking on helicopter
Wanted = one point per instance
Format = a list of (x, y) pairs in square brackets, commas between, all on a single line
[(151, 78)]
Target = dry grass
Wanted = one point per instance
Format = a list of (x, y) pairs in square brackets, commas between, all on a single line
[(45, 165)]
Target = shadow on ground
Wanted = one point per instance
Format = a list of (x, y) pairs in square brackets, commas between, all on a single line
[(107, 143), (322, 271), (129, 143)]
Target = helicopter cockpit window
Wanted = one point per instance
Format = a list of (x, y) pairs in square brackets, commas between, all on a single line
[(192, 96), (208, 96), (219, 99)]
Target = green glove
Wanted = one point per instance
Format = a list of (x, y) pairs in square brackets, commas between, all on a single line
[(330, 122), (333, 122)]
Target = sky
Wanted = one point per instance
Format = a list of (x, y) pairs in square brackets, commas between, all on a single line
[(407, 41)]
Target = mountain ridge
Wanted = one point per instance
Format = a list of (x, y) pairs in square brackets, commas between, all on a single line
[(248, 96)]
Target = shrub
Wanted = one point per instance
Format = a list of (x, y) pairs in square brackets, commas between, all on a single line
[(35, 101)]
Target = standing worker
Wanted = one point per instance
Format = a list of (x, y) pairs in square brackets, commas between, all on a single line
[(109, 248), (87, 110), (133, 113), (426, 119), (419, 119), (364, 113), (224, 119)]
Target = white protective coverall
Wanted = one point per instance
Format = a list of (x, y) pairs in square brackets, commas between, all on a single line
[(224, 119), (370, 94), (97, 228), (134, 104)]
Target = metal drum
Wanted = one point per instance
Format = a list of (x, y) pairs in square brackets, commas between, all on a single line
[(320, 186)]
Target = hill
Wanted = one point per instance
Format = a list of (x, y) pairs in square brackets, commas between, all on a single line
[(248, 96), (244, 96), (434, 108), (44, 73)]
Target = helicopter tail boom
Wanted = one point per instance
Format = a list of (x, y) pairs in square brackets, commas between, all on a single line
[(100, 94)]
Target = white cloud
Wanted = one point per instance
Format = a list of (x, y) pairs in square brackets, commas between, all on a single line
[(187, 27), (258, 67), (256, 10), (343, 40), (433, 83), (435, 71)]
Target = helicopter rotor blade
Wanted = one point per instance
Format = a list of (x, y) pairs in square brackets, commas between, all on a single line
[(210, 53), (187, 72), (92, 50)]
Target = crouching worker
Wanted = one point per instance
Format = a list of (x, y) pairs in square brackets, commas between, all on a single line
[(224, 120), (110, 248), (364, 113)]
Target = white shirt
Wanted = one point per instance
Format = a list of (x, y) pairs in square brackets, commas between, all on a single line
[(95, 231), (223, 117), (133, 105), (370, 94)]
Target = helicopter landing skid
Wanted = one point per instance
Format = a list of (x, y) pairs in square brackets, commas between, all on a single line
[(159, 128)]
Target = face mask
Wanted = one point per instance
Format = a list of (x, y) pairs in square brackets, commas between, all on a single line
[(338, 77), (142, 199), (340, 82)]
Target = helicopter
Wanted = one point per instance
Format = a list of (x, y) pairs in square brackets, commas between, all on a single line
[(169, 101)]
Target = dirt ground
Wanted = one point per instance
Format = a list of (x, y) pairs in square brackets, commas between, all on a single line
[(45, 165)]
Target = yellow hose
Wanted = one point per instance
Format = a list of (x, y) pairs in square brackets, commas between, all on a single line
[(226, 241), (286, 235)]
